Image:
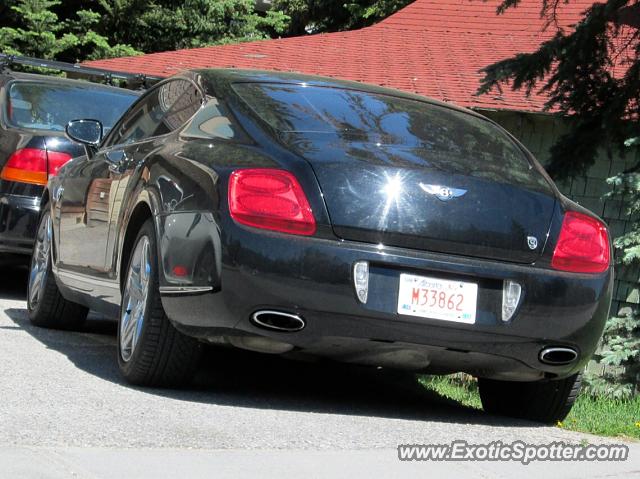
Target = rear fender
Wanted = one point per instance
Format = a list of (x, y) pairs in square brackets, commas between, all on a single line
[(188, 237)]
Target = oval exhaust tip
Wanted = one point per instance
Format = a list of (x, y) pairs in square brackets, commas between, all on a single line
[(278, 321), (558, 355)]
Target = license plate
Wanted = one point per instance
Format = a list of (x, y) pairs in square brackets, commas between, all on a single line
[(437, 298)]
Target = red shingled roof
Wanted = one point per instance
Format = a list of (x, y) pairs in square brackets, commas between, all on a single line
[(431, 47)]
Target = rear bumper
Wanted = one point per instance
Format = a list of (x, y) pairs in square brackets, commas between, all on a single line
[(18, 223), (245, 271)]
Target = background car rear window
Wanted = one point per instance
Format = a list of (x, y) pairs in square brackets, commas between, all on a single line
[(449, 136), (48, 106)]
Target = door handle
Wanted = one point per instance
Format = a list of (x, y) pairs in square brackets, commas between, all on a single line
[(58, 193), (117, 160)]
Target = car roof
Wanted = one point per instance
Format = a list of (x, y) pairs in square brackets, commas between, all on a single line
[(34, 77), (232, 75)]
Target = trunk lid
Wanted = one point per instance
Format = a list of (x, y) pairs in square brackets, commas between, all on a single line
[(403, 171), (403, 196)]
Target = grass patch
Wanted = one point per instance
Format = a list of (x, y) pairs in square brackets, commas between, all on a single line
[(595, 415), (460, 388), (604, 416)]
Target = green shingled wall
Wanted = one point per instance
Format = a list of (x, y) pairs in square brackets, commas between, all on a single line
[(538, 132)]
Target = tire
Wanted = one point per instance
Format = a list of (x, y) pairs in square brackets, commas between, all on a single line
[(46, 306), (542, 401), (151, 352)]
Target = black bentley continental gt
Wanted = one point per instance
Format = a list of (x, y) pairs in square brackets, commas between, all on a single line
[(311, 217)]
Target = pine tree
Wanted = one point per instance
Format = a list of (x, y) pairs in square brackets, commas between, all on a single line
[(621, 341), (319, 16), (577, 71), (37, 31), (87, 29), (40, 34), (161, 25)]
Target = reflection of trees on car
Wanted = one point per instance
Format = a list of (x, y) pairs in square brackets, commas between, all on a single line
[(179, 100), (215, 120), (159, 113), (405, 132)]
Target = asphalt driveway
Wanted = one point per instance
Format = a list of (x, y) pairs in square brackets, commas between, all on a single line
[(65, 412)]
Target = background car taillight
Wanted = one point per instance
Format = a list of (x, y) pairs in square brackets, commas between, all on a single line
[(56, 160), (583, 245), (33, 165), (270, 199)]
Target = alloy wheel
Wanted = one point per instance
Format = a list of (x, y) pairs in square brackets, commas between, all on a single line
[(134, 299), (39, 263)]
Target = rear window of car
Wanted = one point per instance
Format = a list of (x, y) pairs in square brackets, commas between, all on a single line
[(448, 136), (47, 106)]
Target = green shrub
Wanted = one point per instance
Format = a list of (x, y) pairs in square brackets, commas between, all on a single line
[(620, 348)]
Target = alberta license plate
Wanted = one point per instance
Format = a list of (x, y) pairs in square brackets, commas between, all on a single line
[(437, 298)]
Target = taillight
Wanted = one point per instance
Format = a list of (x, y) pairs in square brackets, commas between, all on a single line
[(270, 199), (583, 245), (33, 165), (56, 160), (28, 165)]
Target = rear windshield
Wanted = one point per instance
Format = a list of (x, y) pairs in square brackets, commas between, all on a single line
[(46, 106), (446, 135)]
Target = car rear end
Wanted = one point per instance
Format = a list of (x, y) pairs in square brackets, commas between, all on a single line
[(34, 112), (351, 303), (409, 235)]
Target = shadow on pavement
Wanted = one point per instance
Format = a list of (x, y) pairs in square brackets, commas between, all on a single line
[(244, 379), (14, 271)]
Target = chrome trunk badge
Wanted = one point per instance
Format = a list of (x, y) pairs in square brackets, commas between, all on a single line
[(443, 193), (532, 242)]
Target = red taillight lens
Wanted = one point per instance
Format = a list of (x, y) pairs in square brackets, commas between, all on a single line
[(56, 160), (28, 165), (583, 245), (270, 199), (32, 165)]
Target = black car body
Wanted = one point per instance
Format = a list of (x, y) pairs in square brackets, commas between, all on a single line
[(34, 109), (377, 188)]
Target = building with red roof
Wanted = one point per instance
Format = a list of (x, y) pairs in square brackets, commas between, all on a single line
[(431, 47), (435, 48)]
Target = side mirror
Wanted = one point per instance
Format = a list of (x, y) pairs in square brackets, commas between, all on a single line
[(87, 132)]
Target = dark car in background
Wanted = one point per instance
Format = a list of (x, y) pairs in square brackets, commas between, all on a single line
[(315, 218), (34, 110)]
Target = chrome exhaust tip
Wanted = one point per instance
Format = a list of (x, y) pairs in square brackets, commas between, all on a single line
[(558, 355), (278, 321)]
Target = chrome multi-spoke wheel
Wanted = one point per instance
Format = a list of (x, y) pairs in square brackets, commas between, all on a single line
[(47, 307), (135, 296), (40, 262), (151, 352)]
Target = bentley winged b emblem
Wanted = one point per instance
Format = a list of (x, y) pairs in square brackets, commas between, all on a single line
[(443, 193)]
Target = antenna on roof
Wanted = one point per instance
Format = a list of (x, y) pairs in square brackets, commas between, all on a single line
[(133, 81)]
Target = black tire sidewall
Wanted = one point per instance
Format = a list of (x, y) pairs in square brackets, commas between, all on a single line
[(546, 401), (53, 310)]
